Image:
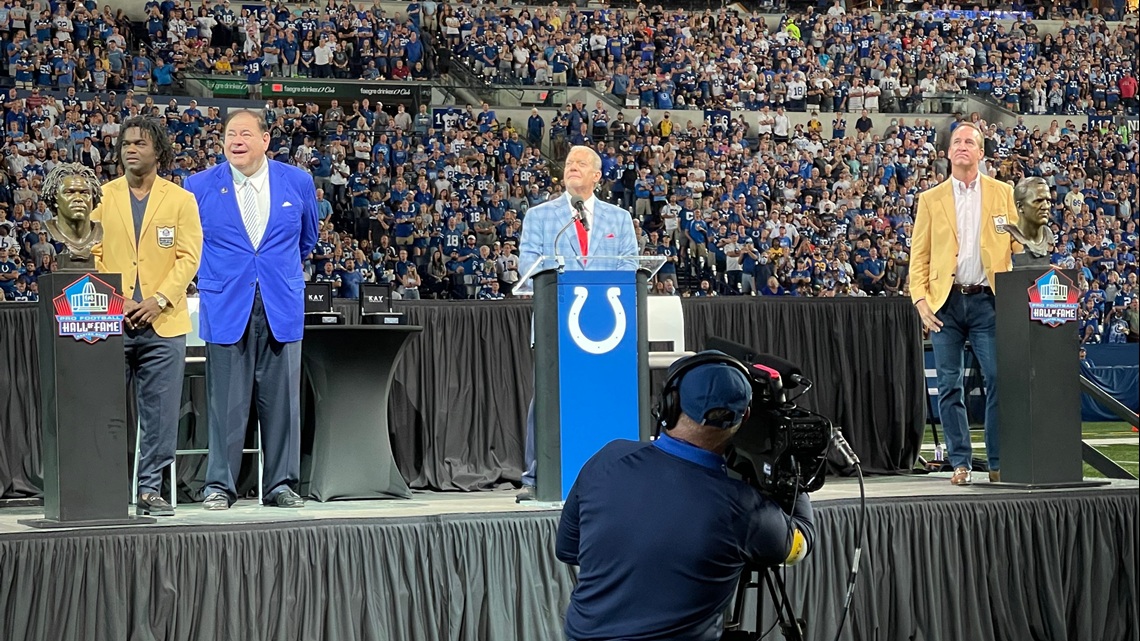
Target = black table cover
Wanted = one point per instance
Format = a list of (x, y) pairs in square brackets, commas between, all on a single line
[(348, 369)]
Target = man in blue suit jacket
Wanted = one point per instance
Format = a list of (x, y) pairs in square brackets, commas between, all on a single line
[(610, 233), (259, 222)]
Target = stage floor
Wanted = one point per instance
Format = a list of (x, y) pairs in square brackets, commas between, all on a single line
[(502, 502)]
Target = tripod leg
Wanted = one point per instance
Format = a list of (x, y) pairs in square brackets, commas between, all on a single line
[(759, 607), (791, 627)]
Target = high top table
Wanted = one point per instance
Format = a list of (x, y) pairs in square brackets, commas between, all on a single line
[(348, 370)]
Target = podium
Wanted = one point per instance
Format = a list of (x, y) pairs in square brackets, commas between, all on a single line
[(83, 401), (1039, 390), (591, 373)]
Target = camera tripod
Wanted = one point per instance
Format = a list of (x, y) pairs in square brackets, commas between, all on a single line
[(791, 627)]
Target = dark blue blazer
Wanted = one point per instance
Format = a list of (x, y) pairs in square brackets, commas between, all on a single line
[(231, 270)]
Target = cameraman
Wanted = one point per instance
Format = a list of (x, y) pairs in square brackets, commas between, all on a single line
[(661, 533)]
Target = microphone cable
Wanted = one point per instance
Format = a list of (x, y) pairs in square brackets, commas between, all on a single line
[(852, 460), (859, 530)]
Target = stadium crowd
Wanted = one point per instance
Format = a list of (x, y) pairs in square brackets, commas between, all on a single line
[(827, 61), (737, 210)]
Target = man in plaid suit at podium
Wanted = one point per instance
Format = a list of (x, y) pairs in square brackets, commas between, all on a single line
[(606, 231)]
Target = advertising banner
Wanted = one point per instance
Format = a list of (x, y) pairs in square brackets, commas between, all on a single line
[(411, 95)]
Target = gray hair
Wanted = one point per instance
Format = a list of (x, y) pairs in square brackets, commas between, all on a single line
[(595, 159)]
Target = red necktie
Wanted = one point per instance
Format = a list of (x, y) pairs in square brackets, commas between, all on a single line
[(583, 237)]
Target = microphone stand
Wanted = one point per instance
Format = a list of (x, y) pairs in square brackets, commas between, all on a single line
[(579, 214), (557, 256)]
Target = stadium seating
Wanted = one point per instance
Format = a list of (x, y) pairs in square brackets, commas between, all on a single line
[(796, 150)]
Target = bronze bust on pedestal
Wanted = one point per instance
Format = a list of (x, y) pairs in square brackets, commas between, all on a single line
[(74, 192), (1032, 229)]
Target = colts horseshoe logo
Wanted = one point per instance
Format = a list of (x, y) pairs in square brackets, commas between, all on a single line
[(604, 345)]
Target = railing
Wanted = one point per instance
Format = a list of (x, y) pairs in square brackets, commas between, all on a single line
[(1091, 455), (493, 93), (509, 94), (992, 102), (687, 5)]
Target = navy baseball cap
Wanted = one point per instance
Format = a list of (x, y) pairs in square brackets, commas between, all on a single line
[(715, 386)]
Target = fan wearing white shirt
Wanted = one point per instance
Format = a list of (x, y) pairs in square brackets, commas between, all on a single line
[(765, 122)]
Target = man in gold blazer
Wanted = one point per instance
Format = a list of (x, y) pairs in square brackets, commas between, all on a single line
[(958, 246), (153, 237)]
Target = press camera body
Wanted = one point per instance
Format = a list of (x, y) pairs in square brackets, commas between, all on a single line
[(780, 449)]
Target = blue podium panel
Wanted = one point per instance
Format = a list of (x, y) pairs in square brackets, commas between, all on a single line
[(597, 365)]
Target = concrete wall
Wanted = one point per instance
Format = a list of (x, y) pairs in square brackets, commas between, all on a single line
[(519, 118), (880, 122)]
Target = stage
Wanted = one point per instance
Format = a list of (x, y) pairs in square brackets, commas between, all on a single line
[(939, 563)]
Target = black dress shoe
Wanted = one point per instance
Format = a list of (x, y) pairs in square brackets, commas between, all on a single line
[(216, 501), (286, 498), (527, 494), (152, 504)]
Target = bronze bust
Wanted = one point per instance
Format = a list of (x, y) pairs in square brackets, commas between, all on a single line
[(74, 192), (1032, 229)]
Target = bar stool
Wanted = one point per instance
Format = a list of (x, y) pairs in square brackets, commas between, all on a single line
[(195, 368), (173, 467)]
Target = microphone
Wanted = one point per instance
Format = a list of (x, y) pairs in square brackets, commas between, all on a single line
[(845, 449), (579, 206)]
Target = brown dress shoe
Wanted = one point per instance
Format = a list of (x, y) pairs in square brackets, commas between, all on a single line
[(995, 476), (962, 476)]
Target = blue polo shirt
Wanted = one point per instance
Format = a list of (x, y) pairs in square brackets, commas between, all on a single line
[(350, 283), (661, 533), (875, 266)]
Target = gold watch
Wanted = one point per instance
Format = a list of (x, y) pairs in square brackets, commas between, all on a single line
[(162, 302)]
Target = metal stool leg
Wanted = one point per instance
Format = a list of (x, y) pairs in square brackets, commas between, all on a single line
[(174, 481), (177, 452), (135, 476), (260, 467)]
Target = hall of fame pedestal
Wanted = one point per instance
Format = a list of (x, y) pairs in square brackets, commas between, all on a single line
[(1039, 392), (83, 402)]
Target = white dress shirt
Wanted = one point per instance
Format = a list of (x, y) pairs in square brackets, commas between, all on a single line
[(259, 181), (968, 211), (588, 206)]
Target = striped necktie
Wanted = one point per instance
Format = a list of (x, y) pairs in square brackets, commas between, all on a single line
[(249, 214)]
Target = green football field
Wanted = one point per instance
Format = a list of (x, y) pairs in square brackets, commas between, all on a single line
[(1126, 451)]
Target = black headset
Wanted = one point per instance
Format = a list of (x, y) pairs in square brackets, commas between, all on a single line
[(668, 409)]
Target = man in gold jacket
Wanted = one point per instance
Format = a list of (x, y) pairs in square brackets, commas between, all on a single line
[(958, 246), (153, 237)]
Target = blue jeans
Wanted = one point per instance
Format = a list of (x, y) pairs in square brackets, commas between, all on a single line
[(966, 317)]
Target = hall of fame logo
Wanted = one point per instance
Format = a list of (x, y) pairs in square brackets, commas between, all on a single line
[(1053, 299), (89, 309)]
